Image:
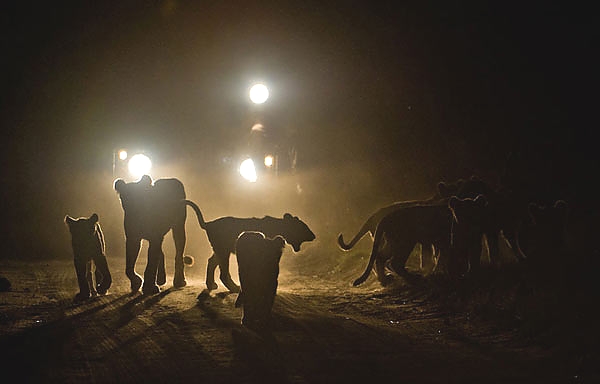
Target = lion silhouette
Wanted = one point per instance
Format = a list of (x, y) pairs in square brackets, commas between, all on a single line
[(470, 217), (223, 232), (429, 225), (151, 209), (91, 267), (428, 256), (258, 261)]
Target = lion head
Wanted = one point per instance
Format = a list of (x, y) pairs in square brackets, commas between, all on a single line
[(82, 228), (134, 194), (296, 231)]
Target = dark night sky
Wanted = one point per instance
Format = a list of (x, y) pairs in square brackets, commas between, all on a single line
[(446, 90)]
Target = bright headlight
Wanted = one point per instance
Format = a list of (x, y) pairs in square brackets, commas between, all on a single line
[(248, 171), (269, 161), (139, 165)]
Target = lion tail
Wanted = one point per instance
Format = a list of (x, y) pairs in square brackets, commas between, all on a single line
[(367, 227), (371, 224), (198, 213), (367, 272)]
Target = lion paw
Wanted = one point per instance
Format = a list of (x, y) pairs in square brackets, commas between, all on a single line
[(233, 288), (82, 296), (211, 286), (103, 288), (150, 289), (136, 283), (161, 279), (387, 279), (179, 283)]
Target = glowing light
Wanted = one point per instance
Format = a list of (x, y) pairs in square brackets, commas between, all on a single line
[(269, 161), (248, 171), (259, 93), (258, 128), (139, 165), (122, 154)]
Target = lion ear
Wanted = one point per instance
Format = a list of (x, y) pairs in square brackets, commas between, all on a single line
[(145, 180), (481, 200), (562, 207), (561, 204), (279, 241), (118, 185), (443, 189), (69, 220), (288, 216), (94, 218), (452, 202)]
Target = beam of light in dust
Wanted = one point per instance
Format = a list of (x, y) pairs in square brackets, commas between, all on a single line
[(139, 165), (259, 93), (248, 171)]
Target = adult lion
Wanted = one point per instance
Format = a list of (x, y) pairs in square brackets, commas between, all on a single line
[(428, 260), (151, 209), (223, 232), (460, 188), (429, 225)]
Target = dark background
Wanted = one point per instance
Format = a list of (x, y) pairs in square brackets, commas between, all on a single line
[(381, 99)]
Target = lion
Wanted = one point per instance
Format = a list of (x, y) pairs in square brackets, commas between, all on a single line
[(429, 225), (470, 217), (91, 266), (151, 209), (258, 265), (428, 259), (223, 232)]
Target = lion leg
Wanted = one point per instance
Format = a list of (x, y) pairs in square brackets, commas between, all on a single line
[(90, 275), (474, 255), (98, 277), (493, 247), (225, 276), (161, 274), (402, 250), (427, 258), (179, 238), (210, 272), (103, 283), (513, 240), (382, 275), (132, 249), (82, 281), (155, 255)]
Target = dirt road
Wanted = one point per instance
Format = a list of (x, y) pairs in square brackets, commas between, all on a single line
[(326, 332)]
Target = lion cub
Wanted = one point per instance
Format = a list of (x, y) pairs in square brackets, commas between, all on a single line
[(91, 267), (258, 266)]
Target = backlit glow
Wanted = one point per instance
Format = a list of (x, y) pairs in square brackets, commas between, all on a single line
[(122, 154), (139, 165), (248, 171), (258, 128), (269, 161), (259, 93)]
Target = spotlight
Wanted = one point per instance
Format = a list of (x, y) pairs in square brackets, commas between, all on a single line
[(269, 160), (139, 165), (259, 93), (248, 171)]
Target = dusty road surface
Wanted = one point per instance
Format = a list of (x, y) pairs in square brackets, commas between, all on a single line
[(326, 332)]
